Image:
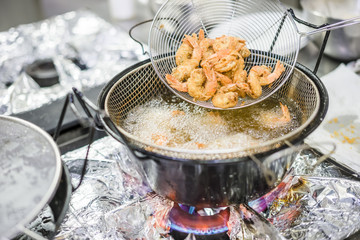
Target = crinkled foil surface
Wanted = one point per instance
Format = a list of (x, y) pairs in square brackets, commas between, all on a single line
[(113, 202), (101, 49)]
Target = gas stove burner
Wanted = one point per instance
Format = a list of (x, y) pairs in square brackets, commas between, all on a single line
[(43, 72), (209, 223)]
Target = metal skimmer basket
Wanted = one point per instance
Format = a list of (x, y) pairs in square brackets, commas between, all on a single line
[(270, 31), (265, 25), (140, 83)]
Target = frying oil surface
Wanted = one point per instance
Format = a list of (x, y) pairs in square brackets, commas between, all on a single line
[(171, 122)]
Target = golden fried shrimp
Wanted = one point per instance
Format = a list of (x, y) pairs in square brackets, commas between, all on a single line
[(205, 45), (184, 52), (254, 87), (201, 34), (196, 54), (181, 73), (240, 66), (213, 59), (228, 42), (202, 85), (274, 120), (227, 62), (176, 84), (279, 69), (240, 77), (265, 76), (206, 48), (261, 76), (223, 79), (204, 64), (226, 96), (244, 52)]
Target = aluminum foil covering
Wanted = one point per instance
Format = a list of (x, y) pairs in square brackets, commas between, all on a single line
[(312, 202), (100, 50)]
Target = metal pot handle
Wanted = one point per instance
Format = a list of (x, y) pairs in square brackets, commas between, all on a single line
[(141, 23), (133, 38), (270, 176)]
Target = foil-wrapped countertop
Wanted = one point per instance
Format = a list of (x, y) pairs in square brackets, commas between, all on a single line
[(104, 49)]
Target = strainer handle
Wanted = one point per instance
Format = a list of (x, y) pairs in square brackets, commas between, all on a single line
[(337, 25)]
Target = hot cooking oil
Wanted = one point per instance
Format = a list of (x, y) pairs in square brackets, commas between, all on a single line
[(169, 121)]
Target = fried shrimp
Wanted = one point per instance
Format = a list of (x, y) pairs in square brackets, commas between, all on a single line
[(228, 42), (176, 84), (240, 77), (214, 58), (279, 69), (222, 62), (228, 62), (184, 52), (206, 45), (254, 89), (226, 97), (223, 79), (177, 79), (273, 119), (244, 52), (262, 76), (202, 84)]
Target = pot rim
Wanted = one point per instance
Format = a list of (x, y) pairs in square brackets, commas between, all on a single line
[(47, 195)]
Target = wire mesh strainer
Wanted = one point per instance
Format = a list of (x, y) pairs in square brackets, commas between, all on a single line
[(269, 30), (140, 84), (207, 177)]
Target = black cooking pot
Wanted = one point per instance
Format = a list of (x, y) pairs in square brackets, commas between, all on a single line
[(208, 179)]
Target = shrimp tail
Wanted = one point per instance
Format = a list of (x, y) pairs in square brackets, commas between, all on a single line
[(180, 86), (279, 69)]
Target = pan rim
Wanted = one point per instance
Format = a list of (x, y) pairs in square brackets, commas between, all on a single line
[(53, 186)]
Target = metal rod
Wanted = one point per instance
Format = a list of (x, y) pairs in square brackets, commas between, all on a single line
[(84, 102), (79, 96), (278, 32), (83, 170), (321, 52), (62, 115)]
